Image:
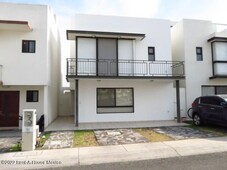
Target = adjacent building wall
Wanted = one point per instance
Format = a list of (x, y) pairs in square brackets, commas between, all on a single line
[(24, 68), (27, 70), (186, 36), (53, 65)]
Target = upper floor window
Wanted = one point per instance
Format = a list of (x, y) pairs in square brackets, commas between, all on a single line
[(28, 46), (151, 54), (199, 53)]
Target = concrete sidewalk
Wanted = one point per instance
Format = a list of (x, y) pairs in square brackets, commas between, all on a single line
[(109, 154)]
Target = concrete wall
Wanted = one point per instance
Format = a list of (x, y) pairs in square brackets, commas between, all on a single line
[(153, 100)]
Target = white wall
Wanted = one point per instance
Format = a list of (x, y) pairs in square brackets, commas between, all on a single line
[(54, 68), (153, 100), (24, 68), (157, 32), (186, 36)]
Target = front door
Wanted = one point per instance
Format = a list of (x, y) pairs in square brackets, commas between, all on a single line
[(107, 57), (9, 108)]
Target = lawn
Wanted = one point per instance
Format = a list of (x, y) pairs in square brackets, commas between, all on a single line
[(84, 138), (153, 136), (16, 147)]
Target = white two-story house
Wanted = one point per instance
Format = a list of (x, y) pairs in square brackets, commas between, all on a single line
[(121, 69), (204, 50), (29, 62)]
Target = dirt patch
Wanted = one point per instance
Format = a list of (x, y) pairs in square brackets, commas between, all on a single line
[(153, 136)]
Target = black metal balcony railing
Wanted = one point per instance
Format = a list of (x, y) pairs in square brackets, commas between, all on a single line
[(104, 67)]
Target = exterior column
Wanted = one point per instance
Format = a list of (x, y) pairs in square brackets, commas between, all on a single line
[(77, 102), (178, 100)]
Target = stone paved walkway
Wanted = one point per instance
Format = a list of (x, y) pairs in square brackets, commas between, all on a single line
[(8, 142), (8, 139), (118, 136), (179, 133), (58, 140)]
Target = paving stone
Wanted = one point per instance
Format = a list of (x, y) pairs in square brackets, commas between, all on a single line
[(180, 133), (8, 142), (118, 136), (58, 140)]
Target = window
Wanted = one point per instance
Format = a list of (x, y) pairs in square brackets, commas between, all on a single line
[(199, 53), (151, 54), (32, 96), (219, 56), (221, 90), (28, 46), (214, 90), (115, 100), (211, 101)]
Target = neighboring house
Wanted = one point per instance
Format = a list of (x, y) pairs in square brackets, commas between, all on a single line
[(204, 51), (121, 69), (29, 59)]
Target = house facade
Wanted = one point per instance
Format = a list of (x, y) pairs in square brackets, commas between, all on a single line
[(204, 50), (29, 59), (121, 69)]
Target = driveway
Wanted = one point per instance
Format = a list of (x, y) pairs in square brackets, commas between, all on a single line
[(129, 136), (179, 133)]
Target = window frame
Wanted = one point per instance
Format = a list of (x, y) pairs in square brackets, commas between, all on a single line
[(153, 53), (198, 54), (216, 62), (28, 97), (28, 49), (215, 88), (115, 102)]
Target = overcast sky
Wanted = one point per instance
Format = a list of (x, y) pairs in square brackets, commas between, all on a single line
[(215, 10)]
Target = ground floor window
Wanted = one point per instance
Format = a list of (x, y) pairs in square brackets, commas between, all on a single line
[(214, 90), (115, 100), (32, 96)]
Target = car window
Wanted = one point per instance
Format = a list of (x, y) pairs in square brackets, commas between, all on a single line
[(211, 101)]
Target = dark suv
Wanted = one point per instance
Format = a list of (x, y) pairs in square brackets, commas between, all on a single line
[(209, 109)]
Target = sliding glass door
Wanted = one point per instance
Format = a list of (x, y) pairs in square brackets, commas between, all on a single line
[(107, 57)]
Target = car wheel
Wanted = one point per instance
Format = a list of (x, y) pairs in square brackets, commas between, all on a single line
[(197, 120)]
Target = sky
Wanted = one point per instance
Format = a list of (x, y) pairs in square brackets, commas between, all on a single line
[(175, 10)]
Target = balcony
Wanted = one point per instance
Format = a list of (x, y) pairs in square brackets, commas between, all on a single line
[(103, 68)]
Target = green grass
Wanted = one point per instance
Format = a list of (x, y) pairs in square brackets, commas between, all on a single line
[(16, 148), (84, 138), (43, 138)]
